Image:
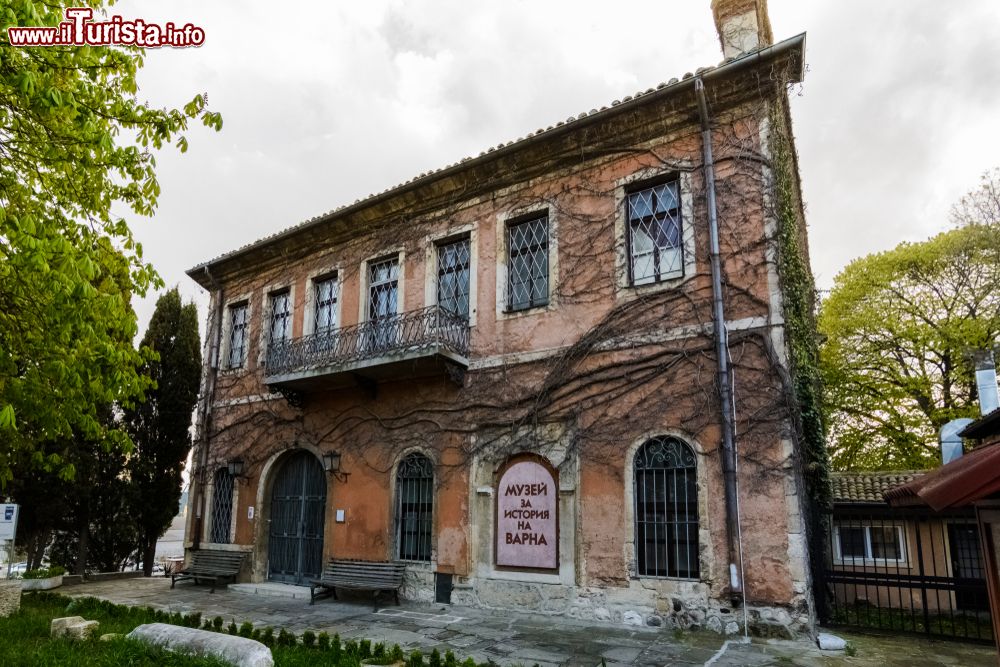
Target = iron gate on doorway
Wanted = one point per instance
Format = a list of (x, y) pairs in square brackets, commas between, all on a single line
[(298, 508), (907, 570)]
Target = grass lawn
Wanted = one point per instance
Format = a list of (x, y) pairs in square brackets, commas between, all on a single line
[(25, 640)]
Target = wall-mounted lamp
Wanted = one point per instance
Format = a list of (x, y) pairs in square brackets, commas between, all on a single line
[(331, 463), (236, 470)]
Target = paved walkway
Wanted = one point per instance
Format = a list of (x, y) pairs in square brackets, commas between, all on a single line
[(516, 638)]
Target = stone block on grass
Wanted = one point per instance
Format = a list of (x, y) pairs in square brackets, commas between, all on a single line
[(237, 651), (73, 627)]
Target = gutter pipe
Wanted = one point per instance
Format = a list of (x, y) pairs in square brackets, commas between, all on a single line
[(725, 380)]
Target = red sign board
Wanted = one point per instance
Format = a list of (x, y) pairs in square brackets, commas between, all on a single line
[(527, 529)]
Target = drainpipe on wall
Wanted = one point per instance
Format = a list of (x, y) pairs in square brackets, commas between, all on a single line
[(215, 336), (726, 404)]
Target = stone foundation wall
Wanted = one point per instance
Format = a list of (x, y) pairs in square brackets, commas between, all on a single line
[(687, 607)]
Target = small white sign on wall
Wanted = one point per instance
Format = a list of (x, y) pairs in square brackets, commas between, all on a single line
[(250, 513), (340, 516)]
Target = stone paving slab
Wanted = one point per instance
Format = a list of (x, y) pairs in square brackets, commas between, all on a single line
[(511, 638)]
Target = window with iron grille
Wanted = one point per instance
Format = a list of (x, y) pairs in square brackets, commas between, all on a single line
[(414, 512), (281, 317), (654, 229), (383, 288), (528, 264), (327, 293), (453, 277), (239, 329), (222, 507), (666, 509)]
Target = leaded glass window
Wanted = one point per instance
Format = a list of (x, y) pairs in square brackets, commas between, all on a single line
[(222, 507), (453, 277), (654, 228), (325, 315), (383, 299), (666, 509), (528, 265), (239, 329), (281, 317), (414, 513)]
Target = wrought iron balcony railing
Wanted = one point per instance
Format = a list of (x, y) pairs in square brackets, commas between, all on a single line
[(431, 328)]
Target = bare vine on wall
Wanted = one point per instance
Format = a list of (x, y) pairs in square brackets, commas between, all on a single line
[(640, 359)]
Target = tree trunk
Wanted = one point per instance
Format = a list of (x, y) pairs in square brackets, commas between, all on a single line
[(148, 554), (83, 547)]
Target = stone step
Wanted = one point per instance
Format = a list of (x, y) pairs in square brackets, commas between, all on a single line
[(272, 589)]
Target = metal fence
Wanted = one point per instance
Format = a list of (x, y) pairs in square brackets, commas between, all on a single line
[(427, 326), (907, 571)]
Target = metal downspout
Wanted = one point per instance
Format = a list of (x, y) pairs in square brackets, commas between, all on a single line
[(722, 353), (206, 411)]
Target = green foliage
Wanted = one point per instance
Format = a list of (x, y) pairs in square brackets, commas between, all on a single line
[(365, 649), (323, 641), (231, 628), (416, 659), (267, 636), (900, 327), (44, 573), (246, 629), (435, 659), (78, 149), (469, 662), (396, 653), (159, 425), (286, 638), (308, 638), (450, 660), (217, 623)]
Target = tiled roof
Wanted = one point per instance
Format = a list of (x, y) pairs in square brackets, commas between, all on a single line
[(640, 97), (868, 487)]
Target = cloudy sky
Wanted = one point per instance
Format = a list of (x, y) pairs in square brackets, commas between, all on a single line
[(328, 102)]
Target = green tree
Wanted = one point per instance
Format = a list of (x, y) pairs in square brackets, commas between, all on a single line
[(901, 326), (76, 151), (159, 426)]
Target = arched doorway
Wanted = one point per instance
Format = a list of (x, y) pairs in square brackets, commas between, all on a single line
[(298, 511)]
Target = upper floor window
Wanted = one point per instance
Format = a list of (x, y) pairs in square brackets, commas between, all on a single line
[(383, 288), (666, 509), (281, 317), (239, 329), (655, 244), (528, 264), (453, 277), (327, 293)]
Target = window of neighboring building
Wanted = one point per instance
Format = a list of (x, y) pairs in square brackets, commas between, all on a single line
[(528, 263), (327, 293), (655, 243), (239, 330), (222, 507), (414, 512), (869, 543), (281, 317), (383, 300), (453, 277), (666, 509)]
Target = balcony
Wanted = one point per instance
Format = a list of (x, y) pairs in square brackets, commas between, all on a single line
[(419, 343)]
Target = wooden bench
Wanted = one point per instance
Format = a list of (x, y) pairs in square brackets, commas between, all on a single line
[(358, 575), (210, 565)]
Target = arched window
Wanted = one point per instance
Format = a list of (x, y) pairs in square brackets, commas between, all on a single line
[(222, 507), (415, 506), (666, 509)]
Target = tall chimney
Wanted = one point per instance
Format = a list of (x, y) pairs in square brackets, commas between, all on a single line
[(986, 381), (743, 25)]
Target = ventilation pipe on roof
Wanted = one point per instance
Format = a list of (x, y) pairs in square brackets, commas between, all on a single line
[(986, 382), (726, 404)]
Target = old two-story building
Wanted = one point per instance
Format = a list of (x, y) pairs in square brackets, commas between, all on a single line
[(571, 374)]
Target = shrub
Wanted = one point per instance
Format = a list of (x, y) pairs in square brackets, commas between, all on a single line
[(324, 641), (365, 649), (469, 662), (378, 651), (450, 660), (193, 620), (351, 648), (267, 637), (308, 638), (246, 629), (207, 625), (416, 659), (217, 623), (286, 638), (44, 572), (396, 653), (232, 629), (435, 659)]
